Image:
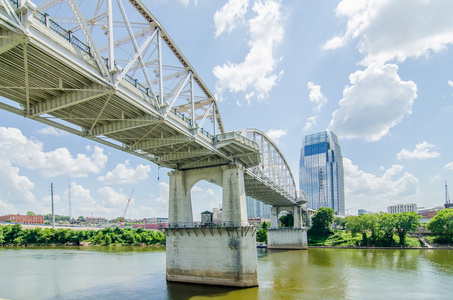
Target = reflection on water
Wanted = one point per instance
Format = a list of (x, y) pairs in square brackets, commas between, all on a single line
[(139, 273)]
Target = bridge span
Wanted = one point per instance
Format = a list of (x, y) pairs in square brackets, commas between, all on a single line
[(108, 71)]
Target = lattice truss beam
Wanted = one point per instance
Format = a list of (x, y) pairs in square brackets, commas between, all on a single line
[(273, 170), (130, 47)]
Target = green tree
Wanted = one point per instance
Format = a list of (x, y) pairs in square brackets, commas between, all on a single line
[(358, 225), (442, 225), (321, 222), (287, 220), (405, 222), (340, 222), (261, 235), (1, 235), (265, 225), (30, 213), (386, 226)]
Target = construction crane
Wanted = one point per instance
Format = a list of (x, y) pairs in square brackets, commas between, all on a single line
[(125, 210)]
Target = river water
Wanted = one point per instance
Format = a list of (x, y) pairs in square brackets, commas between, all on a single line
[(139, 273)]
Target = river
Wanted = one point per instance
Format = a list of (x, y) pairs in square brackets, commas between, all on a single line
[(139, 273)]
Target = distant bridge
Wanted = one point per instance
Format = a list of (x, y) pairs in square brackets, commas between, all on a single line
[(124, 83)]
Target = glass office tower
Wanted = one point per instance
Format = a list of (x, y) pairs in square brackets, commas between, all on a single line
[(321, 172), (257, 209)]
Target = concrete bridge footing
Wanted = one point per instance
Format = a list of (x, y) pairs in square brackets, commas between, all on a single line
[(284, 237), (215, 256), (223, 255)]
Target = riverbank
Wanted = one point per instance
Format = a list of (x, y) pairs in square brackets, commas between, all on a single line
[(389, 248)]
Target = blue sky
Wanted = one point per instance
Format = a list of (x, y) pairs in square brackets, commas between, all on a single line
[(376, 73)]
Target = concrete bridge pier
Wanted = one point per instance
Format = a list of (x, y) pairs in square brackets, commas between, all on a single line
[(284, 237), (224, 255)]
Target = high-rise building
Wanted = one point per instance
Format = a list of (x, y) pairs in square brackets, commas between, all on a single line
[(257, 209), (321, 172)]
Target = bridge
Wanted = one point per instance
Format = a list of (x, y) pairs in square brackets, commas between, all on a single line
[(108, 71)]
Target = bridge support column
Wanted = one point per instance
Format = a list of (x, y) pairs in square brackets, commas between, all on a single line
[(211, 255), (285, 237)]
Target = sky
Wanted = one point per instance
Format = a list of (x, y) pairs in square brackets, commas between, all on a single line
[(378, 73)]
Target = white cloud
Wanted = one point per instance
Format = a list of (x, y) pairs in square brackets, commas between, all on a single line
[(256, 76), (18, 150), (316, 96), (109, 198), (124, 174), (449, 166), (163, 189), (311, 121), (319, 100), (450, 83), (229, 15), (395, 29), (186, 2), (421, 151), (53, 131), (358, 182), (14, 187), (376, 101), (6, 208), (276, 134)]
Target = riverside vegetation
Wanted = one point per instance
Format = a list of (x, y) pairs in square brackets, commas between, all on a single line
[(17, 236), (378, 229)]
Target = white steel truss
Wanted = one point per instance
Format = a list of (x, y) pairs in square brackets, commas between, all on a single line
[(126, 85)]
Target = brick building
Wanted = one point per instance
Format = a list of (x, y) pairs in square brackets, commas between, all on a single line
[(23, 219)]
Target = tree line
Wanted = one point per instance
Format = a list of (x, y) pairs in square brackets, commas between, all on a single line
[(18, 236), (381, 229)]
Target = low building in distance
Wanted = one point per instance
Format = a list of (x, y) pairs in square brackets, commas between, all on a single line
[(23, 219), (362, 212), (95, 220), (400, 208)]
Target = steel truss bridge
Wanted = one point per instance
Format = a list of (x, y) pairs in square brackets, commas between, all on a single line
[(108, 71)]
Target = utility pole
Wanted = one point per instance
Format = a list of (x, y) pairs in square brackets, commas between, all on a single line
[(53, 212)]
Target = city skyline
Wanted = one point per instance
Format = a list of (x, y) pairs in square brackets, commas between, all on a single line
[(370, 71)]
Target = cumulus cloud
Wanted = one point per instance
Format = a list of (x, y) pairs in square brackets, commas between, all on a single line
[(376, 101), (311, 121), (316, 96), (20, 151), (319, 101), (163, 189), (358, 182), (389, 30), (450, 83), (15, 188), (421, 151), (53, 131), (256, 75), (276, 134), (232, 13), (449, 166), (124, 174), (109, 198)]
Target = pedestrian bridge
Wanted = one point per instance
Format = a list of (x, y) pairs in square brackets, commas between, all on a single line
[(126, 85), (108, 71)]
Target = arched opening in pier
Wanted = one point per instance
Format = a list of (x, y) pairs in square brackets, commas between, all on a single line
[(206, 196)]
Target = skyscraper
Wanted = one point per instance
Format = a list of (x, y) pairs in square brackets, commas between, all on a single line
[(321, 172), (257, 209)]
